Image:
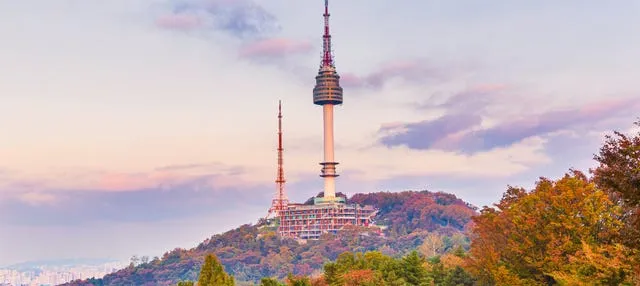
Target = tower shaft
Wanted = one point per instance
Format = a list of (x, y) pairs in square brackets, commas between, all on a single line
[(327, 116), (329, 164)]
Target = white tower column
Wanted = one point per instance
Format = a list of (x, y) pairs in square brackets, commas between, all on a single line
[(329, 170)]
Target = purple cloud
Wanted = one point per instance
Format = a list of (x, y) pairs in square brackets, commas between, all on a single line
[(194, 197), (429, 134), (241, 18), (84, 195), (458, 131), (476, 98), (413, 71)]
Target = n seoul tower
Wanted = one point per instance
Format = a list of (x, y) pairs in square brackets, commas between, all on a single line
[(328, 93)]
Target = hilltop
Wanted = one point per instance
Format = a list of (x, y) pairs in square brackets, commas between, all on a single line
[(251, 252)]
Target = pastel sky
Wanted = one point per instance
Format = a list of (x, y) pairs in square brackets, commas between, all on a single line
[(134, 127)]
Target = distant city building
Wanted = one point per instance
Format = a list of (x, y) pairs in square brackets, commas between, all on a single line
[(55, 275)]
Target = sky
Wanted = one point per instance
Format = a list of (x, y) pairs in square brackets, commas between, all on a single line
[(135, 127)]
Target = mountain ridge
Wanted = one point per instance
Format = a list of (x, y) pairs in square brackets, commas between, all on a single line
[(251, 252)]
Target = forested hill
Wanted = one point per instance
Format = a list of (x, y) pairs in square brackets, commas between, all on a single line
[(251, 252)]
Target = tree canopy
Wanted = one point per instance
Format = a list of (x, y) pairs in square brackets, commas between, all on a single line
[(561, 232), (213, 274), (619, 174)]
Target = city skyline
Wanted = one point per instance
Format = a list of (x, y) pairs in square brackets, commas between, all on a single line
[(130, 128)]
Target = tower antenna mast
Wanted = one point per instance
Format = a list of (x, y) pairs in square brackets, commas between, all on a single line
[(280, 201), (327, 56)]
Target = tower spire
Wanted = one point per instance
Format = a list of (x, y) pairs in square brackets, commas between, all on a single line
[(327, 56), (280, 201)]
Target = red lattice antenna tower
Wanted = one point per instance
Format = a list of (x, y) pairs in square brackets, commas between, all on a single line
[(327, 56), (280, 201)]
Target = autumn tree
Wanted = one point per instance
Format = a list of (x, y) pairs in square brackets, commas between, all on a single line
[(371, 268), (185, 283), (619, 175), (362, 277), (561, 232), (213, 274), (432, 245)]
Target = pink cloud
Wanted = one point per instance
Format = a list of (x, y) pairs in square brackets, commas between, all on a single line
[(274, 47), (124, 181), (45, 188), (183, 22), (210, 175), (604, 107), (488, 87)]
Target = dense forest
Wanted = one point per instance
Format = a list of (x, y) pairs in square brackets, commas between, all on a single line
[(579, 229)]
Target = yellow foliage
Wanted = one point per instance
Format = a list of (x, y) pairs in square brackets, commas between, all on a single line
[(502, 276), (561, 231), (451, 261)]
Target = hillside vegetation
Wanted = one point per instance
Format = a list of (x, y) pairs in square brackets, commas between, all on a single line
[(252, 252)]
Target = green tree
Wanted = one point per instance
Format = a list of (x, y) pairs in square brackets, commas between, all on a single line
[(268, 281), (414, 271), (293, 280), (393, 279), (437, 271), (213, 274), (331, 274), (458, 276)]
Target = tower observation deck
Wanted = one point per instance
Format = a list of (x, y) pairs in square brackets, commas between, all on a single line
[(328, 93)]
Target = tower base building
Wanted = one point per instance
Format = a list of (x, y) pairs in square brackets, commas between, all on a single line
[(311, 221)]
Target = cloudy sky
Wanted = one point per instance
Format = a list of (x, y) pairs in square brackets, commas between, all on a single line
[(134, 127)]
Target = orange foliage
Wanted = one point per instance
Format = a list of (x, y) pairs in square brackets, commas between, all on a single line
[(538, 237), (359, 277), (319, 281)]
